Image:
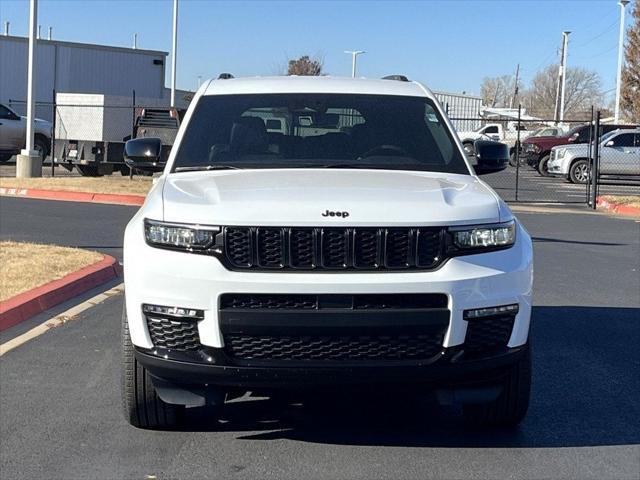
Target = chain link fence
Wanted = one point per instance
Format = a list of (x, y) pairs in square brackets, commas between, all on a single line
[(550, 162)]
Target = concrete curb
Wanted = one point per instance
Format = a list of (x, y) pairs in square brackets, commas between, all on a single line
[(27, 304), (618, 208), (69, 196)]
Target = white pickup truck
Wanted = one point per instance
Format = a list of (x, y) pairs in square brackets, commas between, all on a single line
[(494, 131), (13, 130)]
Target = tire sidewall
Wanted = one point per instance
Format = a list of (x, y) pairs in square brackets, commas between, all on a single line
[(572, 172)]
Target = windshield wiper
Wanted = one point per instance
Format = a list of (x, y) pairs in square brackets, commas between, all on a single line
[(197, 168)]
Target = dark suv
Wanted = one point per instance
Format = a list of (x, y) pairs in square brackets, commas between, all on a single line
[(536, 150)]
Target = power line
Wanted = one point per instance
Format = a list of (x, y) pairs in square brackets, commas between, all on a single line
[(606, 30)]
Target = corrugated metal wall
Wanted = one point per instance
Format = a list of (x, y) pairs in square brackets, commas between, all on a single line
[(78, 68), (463, 110)]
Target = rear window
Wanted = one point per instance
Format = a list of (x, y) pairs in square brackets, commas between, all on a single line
[(318, 130)]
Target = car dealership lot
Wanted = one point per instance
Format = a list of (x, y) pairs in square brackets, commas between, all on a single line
[(61, 418)]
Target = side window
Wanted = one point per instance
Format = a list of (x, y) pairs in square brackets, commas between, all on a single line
[(623, 140), (492, 129)]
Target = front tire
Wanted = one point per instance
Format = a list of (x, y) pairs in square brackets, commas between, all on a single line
[(511, 405), (543, 166), (41, 145), (579, 172), (143, 407)]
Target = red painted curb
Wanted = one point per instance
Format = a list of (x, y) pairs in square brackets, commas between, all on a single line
[(25, 305), (618, 208), (69, 196)]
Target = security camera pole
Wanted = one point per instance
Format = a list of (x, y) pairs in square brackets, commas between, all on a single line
[(174, 53), (623, 4), (354, 55), (29, 163)]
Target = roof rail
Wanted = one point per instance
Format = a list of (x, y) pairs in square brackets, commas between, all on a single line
[(225, 76), (399, 78)]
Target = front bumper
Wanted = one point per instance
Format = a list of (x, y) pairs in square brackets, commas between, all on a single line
[(530, 158), (557, 168), (162, 277), (449, 369)]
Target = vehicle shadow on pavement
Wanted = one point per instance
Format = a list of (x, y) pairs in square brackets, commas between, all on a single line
[(585, 393)]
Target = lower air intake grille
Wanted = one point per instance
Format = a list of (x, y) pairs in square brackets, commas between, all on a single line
[(486, 335), (314, 348), (172, 334)]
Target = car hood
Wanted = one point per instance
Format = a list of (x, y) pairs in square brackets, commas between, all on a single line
[(40, 122), (297, 197), (574, 149)]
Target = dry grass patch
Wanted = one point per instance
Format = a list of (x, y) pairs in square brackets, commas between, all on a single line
[(109, 184), (24, 266), (630, 200)]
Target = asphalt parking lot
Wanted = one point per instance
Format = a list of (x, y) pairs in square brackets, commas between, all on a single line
[(60, 406)]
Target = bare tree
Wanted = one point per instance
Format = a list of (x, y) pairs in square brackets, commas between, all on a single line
[(583, 88), (305, 65), (630, 95), (498, 91)]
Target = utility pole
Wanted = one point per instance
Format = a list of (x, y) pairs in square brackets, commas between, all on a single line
[(563, 68), (559, 110), (29, 163), (174, 53), (515, 87), (354, 55), (623, 4)]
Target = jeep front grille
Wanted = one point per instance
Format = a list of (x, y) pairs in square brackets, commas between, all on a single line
[(361, 248)]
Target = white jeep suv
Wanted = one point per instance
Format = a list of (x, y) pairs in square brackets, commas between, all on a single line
[(355, 250)]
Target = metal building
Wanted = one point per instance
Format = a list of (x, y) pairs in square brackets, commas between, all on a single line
[(70, 67), (463, 110)]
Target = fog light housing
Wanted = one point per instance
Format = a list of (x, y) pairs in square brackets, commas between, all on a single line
[(173, 312), (478, 313)]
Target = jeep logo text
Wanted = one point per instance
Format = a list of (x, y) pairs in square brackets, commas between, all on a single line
[(329, 213)]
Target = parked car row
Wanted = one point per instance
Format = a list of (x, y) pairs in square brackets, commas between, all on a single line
[(619, 155), (536, 151)]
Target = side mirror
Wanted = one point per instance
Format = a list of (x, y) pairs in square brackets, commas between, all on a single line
[(490, 156), (144, 154), (609, 143)]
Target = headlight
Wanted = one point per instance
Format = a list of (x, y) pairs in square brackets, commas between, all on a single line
[(177, 236), (482, 237), (561, 153)]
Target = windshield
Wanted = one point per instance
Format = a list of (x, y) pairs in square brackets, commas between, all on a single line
[(318, 130)]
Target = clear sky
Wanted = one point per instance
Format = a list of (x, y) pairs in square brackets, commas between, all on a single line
[(449, 45)]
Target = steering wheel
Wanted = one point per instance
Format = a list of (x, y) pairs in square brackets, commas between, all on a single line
[(385, 149)]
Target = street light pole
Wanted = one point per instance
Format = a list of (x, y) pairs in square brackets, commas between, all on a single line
[(354, 55), (174, 53), (623, 4), (29, 163)]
